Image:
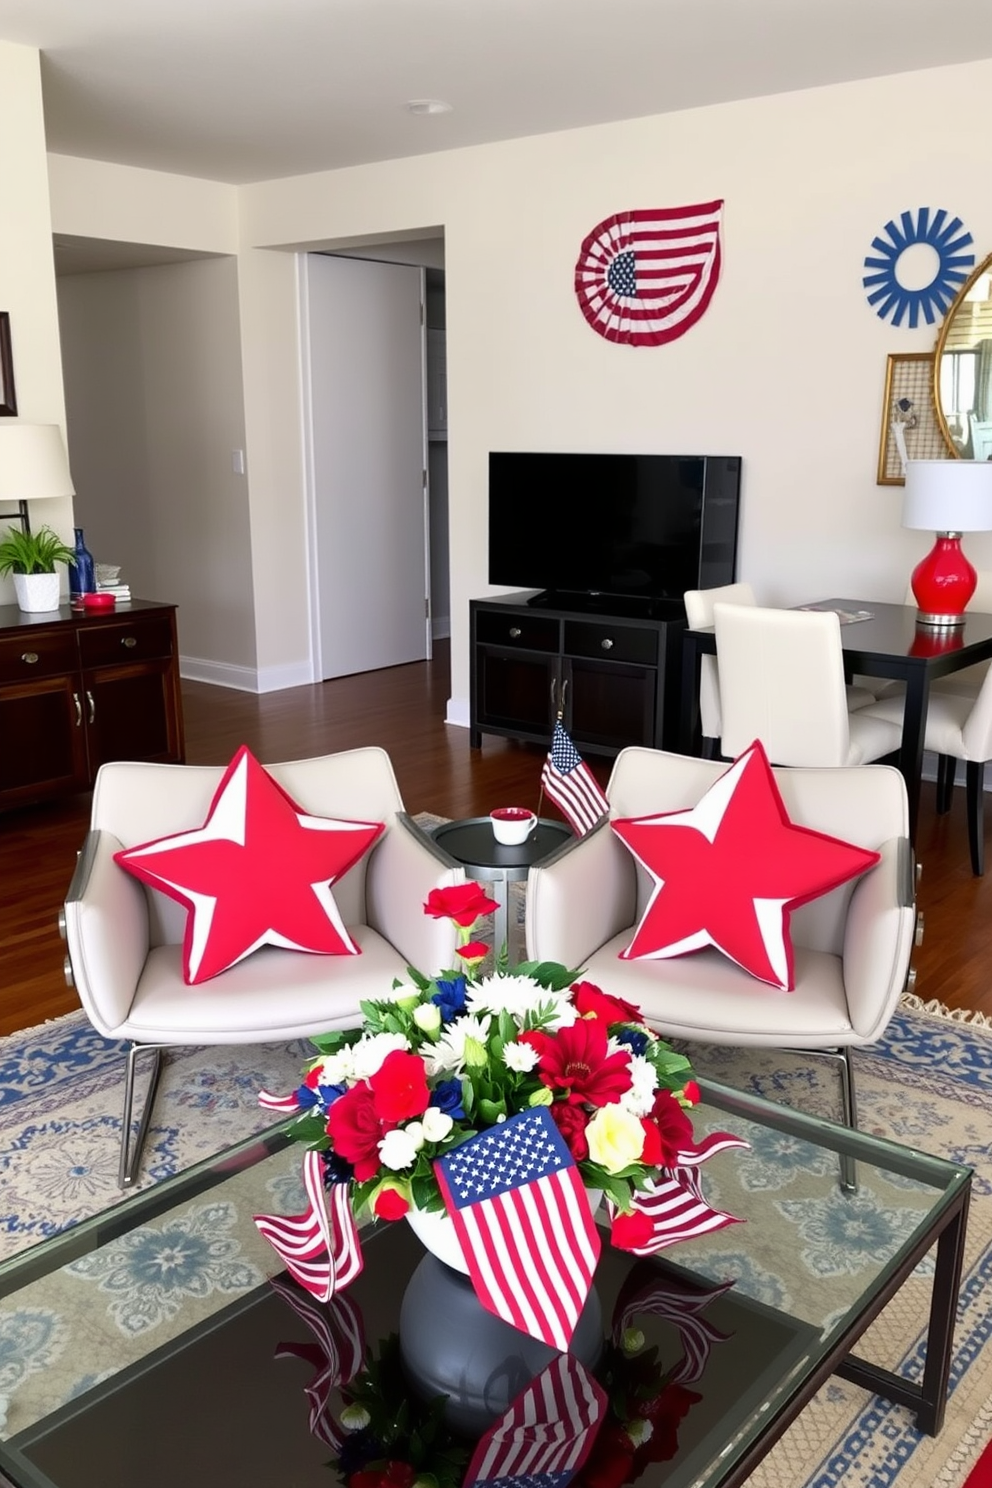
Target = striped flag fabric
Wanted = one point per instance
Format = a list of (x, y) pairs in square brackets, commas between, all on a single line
[(520, 1212), (674, 1202), (546, 1434), (319, 1247), (337, 1354), (643, 278), (657, 1294), (570, 783)]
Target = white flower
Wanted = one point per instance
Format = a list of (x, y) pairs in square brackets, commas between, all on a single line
[(355, 1418), (399, 1147), (640, 1097), (368, 1054), (519, 1057), (448, 1054), (427, 1017), (516, 995), (436, 1124), (405, 992), (335, 1069), (639, 1431)]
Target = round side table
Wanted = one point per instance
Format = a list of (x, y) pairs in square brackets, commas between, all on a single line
[(471, 842)]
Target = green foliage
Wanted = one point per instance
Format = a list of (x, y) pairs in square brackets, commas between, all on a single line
[(33, 552)]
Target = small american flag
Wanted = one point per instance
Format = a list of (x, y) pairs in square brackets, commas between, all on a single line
[(643, 278), (571, 784), (546, 1434), (520, 1212), (319, 1247), (337, 1354), (675, 1203)]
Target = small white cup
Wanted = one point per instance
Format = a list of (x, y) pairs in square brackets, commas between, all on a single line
[(512, 824)]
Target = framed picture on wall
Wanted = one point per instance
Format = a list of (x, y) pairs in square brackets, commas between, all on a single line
[(909, 422), (8, 400)]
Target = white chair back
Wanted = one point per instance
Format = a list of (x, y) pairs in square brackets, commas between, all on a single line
[(782, 681), (699, 613)]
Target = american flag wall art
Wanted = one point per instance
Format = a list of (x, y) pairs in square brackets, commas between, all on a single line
[(643, 278)]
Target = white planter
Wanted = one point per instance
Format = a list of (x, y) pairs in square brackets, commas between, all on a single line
[(436, 1232), (37, 592)]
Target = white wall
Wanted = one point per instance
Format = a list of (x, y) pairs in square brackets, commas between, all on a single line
[(786, 368), (27, 272), (155, 408)]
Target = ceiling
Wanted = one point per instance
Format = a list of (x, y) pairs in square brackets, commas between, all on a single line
[(247, 90)]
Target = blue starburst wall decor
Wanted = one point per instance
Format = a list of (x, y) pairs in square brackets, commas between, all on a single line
[(888, 295)]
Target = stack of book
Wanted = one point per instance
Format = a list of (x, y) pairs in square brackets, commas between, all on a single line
[(121, 592)]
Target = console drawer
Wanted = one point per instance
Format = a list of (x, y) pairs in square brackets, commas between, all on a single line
[(525, 632), (29, 654), (125, 640), (611, 642)]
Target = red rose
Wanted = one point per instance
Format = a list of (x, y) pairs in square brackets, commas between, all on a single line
[(631, 1231), (674, 1127), (590, 1001), (400, 1088), (390, 1203), (652, 1153), (464, 904), (476, 950), (691, 1092), (355, 1130), (572, 1121)]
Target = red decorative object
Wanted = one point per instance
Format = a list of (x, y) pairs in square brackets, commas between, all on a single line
[(643, 278), (729, 871), (258, 872), (944, 581)]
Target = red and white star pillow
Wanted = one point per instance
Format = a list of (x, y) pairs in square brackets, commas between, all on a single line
[(730, 870), (258, 872)]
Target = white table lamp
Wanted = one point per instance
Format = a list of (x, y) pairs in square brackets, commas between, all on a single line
[(947, 497), (33, 465)]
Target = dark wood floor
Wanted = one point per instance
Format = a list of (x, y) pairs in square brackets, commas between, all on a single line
[(402, 709)]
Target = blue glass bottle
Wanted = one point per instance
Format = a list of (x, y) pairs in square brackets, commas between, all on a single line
[(82, 573)]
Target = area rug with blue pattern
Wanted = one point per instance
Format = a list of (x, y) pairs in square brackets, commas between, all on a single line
[(927, 1084)]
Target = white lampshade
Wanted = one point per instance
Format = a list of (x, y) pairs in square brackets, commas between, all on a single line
[(33, 462), (948, 495)]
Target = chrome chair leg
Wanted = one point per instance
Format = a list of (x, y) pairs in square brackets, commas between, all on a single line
[(131, 1151)]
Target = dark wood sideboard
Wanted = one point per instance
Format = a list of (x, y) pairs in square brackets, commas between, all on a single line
[(616, 677), (78, 689)]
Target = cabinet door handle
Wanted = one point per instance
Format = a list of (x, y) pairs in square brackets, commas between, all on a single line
[(514, 632), (91, 707), (129, 641), (564, 689), (79, 710), (30, 657), (606, 643)]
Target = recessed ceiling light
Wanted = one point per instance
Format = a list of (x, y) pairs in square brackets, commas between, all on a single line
[(428, 106)]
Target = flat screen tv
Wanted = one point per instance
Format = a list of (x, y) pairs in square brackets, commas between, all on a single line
[(627, 532)]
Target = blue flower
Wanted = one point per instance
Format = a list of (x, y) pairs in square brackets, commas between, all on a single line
[(635, 1039), (447, 1096), (450, 997), (324, 1096), (336, 1169)]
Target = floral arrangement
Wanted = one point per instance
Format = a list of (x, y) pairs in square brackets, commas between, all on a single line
[(442, 1058)]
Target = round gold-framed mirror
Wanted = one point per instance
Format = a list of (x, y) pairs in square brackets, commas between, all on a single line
[(962, 369)]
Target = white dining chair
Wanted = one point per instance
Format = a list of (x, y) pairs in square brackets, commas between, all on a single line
[(782, 681), (958, 727), (699, 606)]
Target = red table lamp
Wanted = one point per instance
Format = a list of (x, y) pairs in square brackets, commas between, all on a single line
[(947, 497)]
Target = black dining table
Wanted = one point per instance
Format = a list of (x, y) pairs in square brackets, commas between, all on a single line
[(889, 644)]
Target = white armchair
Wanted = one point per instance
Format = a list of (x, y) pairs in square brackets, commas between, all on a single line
[(125, 940), (851, 948)]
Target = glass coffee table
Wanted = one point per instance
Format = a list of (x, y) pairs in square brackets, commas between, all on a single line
[(160, 1342)]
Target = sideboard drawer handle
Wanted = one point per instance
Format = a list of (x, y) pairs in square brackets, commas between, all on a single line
[(606, 644), (30, 657), (129, 641), (514, 632)]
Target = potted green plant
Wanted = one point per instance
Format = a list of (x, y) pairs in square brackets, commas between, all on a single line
[(31, 557)]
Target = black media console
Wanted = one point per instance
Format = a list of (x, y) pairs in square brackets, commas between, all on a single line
[(615, 676)]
